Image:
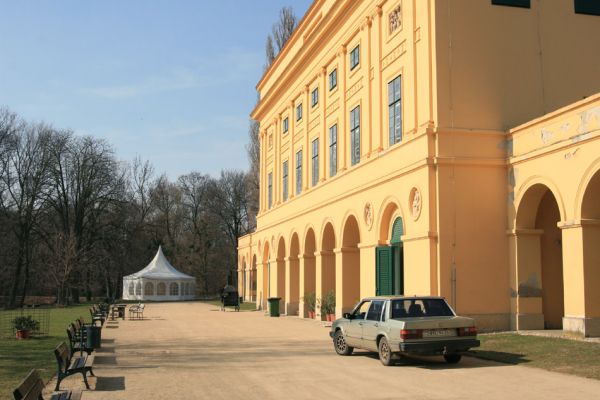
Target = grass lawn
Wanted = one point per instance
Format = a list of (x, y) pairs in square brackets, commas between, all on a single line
[(248, 306), (17, 357), (552, 354)]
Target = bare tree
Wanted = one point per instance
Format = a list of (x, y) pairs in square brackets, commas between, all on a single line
[(87, 184), (24, 180), (253, 178), (284, 28), (141, 174), (166, 198), (229, 199), (269, 52)]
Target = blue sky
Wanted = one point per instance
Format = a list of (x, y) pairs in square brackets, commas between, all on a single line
[(171, 81)]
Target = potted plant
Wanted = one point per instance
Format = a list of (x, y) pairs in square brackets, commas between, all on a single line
[(23, 325), (328, 306), (310, 300)]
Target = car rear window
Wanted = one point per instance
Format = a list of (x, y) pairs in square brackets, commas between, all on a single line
[(412, 308)]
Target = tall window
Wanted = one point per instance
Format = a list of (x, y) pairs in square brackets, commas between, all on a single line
[(270, 189), (314, 97), (355, 135), (333, 79), (285, 180), (354, 57), (315, 161), (333, 150), (587, 7), (299, 172), (299, 112), (395, 110), (286, 125)]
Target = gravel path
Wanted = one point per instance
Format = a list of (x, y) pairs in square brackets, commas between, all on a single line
[(194, 351)]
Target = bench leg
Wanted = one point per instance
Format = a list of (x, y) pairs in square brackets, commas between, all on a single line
[(91, 372), (87, 385)]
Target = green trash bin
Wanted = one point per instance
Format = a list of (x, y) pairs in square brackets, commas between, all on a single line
[(94, 338), (274, 306)]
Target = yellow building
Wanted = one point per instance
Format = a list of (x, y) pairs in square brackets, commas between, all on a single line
[(400, 155)]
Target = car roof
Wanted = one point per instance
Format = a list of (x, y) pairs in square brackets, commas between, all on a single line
[(400, 297)]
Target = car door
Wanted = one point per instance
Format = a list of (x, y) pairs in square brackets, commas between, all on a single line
[(355, 324), (370, 327)]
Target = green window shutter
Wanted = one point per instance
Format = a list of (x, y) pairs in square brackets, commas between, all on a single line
[(397, 231), (383, 269)]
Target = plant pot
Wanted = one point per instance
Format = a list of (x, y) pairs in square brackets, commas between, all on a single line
[(330, 317), (22, 334), (311, 314)]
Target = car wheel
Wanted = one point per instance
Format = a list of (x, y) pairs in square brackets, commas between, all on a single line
[(452, 358), (339, 343), (385, 353)]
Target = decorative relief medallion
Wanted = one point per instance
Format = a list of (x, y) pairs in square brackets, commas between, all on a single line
[(368, 215), (395, 19), (415, 203)]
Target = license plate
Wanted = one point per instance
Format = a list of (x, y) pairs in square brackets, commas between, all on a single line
[(439, 332)]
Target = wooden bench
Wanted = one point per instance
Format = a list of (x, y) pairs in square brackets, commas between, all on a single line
[(32, 387), (97, 316), (69, 364), (77, 342)]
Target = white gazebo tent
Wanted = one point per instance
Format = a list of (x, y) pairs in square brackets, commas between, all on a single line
[(159, 281)]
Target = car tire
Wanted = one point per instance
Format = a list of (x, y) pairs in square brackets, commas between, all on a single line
[(340, 345), (385, 352), (452, 358)]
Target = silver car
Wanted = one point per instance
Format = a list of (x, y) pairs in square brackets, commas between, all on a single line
[(423, 325)]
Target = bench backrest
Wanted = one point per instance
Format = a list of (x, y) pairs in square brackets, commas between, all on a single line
[(63, 357), (72, 333), (31, 388)]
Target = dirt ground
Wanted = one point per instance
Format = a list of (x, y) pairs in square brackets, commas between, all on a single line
[(194, 351)]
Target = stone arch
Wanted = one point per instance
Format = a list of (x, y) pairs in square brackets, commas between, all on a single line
[(590, 238), (278, 277), (527, 200), (253, 279), (149, 289), (161, 289), (588, 204), (328, 263), (350, 266), (265, 271), (309, 276), (308, 228), (389, 256), (173, 289), (293, 289), (539, 255)]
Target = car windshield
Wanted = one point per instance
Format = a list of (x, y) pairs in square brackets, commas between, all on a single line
[(411, 308)]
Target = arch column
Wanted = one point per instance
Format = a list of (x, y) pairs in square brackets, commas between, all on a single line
[(325, 274), (581, 258), (525, 279)]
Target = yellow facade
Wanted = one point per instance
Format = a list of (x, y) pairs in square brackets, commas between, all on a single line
[(452, 187)]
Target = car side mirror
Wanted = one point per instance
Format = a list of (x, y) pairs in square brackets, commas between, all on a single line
[(347, 315)]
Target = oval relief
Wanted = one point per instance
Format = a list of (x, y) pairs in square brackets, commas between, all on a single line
[(415, 203)]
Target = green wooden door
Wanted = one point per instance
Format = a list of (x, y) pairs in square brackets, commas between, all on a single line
[(383, 268)]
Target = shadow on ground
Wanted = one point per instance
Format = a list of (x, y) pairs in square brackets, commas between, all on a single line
[(110, 383)]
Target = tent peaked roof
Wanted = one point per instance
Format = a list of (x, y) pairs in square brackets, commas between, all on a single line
[(160, 268)]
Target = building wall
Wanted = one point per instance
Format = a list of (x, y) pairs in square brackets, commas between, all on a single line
[(557, 155), (466, 79), (499, 67)]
